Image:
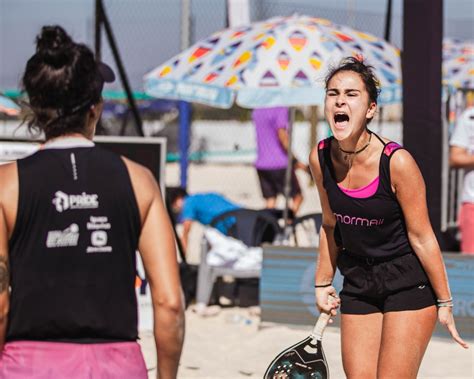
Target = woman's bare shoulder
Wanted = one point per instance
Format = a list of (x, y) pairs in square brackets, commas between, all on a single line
[(139, 172), (9, 168), (402, 159), (404, 170), (314, 163), (8, 178), (144, 183)]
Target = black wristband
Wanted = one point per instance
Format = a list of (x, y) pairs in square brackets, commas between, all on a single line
[(322, 285)]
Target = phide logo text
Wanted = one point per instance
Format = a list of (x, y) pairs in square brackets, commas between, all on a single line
[(63, 201)]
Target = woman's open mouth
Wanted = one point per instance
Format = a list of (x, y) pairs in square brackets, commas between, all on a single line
[(341, 120)]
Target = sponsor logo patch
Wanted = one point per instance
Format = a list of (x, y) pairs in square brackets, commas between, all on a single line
[(63, 201), (63, 238), (99, 237), (358, 221), (100, 222)]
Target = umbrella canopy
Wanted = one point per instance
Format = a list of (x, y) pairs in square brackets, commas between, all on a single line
[(458, 63), (278, 62), (8, 107)]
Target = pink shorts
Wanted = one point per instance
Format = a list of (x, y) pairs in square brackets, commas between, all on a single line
[(54, 360), (466, 225)]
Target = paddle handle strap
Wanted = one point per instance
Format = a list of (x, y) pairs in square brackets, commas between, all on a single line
[(322, 322)]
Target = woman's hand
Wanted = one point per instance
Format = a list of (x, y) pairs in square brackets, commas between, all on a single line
[(327, 300), (445, 317)]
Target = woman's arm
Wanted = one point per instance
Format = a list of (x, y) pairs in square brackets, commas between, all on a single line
[(459, 157), (328, 251), (158, 251), (8, 210), (410, 190), (4, 278)]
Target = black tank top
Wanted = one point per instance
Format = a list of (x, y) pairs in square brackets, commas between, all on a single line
[(373, 226), (72, 252)]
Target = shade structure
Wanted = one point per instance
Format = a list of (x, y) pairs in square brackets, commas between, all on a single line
[(8, 107), (458, 63), (278, 62)]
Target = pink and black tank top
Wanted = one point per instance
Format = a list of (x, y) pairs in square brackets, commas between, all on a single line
[(370, 221)]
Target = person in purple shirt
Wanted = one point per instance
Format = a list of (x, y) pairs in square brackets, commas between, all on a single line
[(271, 125)]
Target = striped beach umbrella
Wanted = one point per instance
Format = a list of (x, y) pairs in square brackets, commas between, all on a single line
[(8, 107), (278, 62), (458, 63)]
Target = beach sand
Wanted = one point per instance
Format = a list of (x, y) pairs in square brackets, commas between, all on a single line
[(234, 343)]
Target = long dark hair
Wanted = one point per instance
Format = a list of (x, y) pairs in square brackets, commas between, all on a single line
[(62, 81)]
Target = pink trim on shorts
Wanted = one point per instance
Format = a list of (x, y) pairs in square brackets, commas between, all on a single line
[(466, 226), (363, 192), (54, 360)]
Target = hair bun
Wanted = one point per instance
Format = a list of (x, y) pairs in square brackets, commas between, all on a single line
[(53, 45)]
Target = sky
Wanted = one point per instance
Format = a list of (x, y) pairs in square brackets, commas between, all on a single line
[(148, 31)]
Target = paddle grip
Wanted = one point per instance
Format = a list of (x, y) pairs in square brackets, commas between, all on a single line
[(322, 322)]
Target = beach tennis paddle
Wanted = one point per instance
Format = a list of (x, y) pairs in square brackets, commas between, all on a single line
[(304, 360)]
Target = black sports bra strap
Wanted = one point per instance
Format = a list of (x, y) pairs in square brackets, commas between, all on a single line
[(379, 138), (323, 148), (388, 150)]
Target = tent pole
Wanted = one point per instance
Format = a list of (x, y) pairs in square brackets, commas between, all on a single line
[(184, 138), (120, 67), (98, 29), (184, 107)]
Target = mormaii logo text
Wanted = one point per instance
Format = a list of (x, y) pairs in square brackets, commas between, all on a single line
[(362, 221), (63, 201)]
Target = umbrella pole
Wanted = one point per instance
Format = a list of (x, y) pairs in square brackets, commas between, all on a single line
[(289, 168)]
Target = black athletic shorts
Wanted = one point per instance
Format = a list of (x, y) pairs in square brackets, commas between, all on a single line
[(272, 182), (383, 285)]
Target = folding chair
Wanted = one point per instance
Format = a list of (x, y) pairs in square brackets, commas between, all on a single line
[(252, 227), (306, 229)]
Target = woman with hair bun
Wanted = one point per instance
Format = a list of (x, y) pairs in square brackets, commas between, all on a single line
[(376, 230), (72, 216)]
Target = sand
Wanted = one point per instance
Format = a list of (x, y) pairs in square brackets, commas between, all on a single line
[(234, 344)]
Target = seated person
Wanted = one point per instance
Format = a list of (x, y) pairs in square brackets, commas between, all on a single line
[(200, 207), (462, 156)]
